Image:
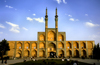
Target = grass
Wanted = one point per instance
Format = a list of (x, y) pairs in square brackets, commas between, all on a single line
[(40, 62)]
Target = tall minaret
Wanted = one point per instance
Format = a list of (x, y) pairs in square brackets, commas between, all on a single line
[(46, 19), (56, 19)]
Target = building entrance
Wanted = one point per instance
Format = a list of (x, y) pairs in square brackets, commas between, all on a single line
[(52, 54)]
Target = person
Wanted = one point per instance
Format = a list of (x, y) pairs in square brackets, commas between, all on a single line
[(68, 59), (62, 59), (5, 61), (24, 60), (31, 58), (75, 63)]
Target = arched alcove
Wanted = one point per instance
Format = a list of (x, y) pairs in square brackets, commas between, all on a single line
[(51, 36)]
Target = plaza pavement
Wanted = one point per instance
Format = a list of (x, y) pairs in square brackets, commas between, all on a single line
[(90, 61)]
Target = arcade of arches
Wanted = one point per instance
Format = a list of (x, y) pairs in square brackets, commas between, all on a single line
[(50, 43), (33, 49)]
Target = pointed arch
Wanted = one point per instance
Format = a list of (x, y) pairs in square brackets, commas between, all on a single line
[(51, 47), (27, 45), (41, 45), (41, 37), (19, 45), (61, 53), (51, 36), (60, 45), (18, 53), (76, 53), (34, 53), (34, 45), (41, 53), (60, 37), (26, 53), (84, 53), (70, 53)]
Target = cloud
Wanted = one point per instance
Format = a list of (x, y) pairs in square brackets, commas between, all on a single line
[(1, 32), (39, 19), (34, 14), (8, 6), (86, 14), (1, 26), (24, 28), (91, 24), (29, 10), (70, 15), (15, 28), (64, 2), (58, 1), (71, 19), (30, 19)]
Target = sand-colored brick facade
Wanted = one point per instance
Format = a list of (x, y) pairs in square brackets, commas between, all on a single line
[(50, 41)]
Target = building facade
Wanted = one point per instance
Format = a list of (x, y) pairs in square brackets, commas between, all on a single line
[(50, 43)]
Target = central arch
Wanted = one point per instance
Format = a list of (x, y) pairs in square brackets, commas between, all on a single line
[(51, 50)]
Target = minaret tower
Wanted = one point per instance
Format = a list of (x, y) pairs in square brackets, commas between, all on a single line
[(46, 19), (56, 19)]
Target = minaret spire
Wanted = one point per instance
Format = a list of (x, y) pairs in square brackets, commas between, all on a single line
[(56, 19), (46, 10), (46, 19), (56, 11)]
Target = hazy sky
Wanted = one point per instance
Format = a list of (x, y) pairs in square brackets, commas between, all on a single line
[(21, 20)]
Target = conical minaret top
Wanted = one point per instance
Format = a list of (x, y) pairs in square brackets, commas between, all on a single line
[(46, 19)]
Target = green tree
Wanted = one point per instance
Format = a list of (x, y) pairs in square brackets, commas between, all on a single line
[(4, 47), (96, 52)]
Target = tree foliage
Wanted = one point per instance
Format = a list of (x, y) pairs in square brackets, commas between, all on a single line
[(96, 52), (4, 47)]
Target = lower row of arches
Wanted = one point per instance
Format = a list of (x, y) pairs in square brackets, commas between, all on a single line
[(42, 53)]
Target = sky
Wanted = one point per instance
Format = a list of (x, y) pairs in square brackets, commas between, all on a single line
[(21, 20)]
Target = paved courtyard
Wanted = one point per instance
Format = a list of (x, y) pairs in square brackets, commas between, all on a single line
[(90, 61)]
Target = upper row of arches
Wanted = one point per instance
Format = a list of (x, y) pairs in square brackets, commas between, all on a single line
[(51, 36)]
